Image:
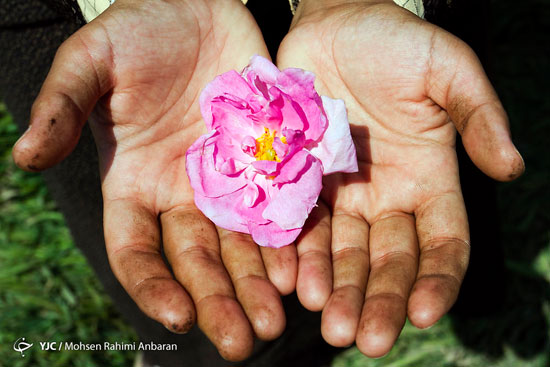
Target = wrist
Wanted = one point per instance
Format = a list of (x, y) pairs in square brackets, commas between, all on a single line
[(307, 7), (91, 9)]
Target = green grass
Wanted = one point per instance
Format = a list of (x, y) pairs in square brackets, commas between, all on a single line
[(48, 291), (437, 347)]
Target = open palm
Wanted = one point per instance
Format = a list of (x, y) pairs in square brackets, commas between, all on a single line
[(400, 242), (137, 71)]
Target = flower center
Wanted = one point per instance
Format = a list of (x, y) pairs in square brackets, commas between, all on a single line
[(264, 146)]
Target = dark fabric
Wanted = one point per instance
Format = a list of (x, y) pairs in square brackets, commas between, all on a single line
[(273, 18), (68, 9)]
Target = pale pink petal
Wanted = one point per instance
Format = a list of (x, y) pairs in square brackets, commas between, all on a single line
[(297, 83), (336, 149), (258, 201), (235, 119), (230, 81), (263, 68), (268, 199), (294, 117), (271, 235), (231, 167), (201, 171), (280, 148), (248, 145), (231, 211), (299, 86), (269, 115), (228, 148), (294, 137), (291, 205), (251, 194), (266, 167), (291, 169), (223, 210), (273, 113), (256, 102)]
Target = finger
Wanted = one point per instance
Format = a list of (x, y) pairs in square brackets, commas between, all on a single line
[(350, 266), (393, 263), (314, 283), (281, 265), (462, 88), (79, 76), (443, 236), (256, 294), (133, 246), (192, 248)]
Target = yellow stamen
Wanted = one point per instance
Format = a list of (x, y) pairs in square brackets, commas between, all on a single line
[(264, 146)]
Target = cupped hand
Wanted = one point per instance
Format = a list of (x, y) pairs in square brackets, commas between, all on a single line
[(137, 72), (400, 240)]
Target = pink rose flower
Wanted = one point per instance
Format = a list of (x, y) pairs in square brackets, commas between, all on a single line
[(270, 140)]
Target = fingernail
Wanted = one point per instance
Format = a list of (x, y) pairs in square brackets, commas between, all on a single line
[(426, 327), (518, 169), (383, 356), (22, 136), (519, 155), (180, 328), (174, 329)]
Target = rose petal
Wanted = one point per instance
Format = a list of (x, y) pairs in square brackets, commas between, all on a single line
[(293, 167), (201, 171), (299, 86), (336, 149), (293, 116), (229, 81), (270, 200), (230, 167), (280, 148), (222, 210), (294, 137), (291, 205), (248, 145), (251, 194), (271, 235), (261, 200), (270, 114), (228, 148), (231, 211), (263, 68), (235, 120), (266, 167)]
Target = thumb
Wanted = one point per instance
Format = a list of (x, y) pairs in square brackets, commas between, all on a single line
[(459, 84), (79, 76)]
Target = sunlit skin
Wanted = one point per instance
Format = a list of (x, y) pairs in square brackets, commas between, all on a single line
[(400, 240), (144, 64)]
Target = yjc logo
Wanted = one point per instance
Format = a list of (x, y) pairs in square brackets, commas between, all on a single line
[(21, 345), (48, 346)]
